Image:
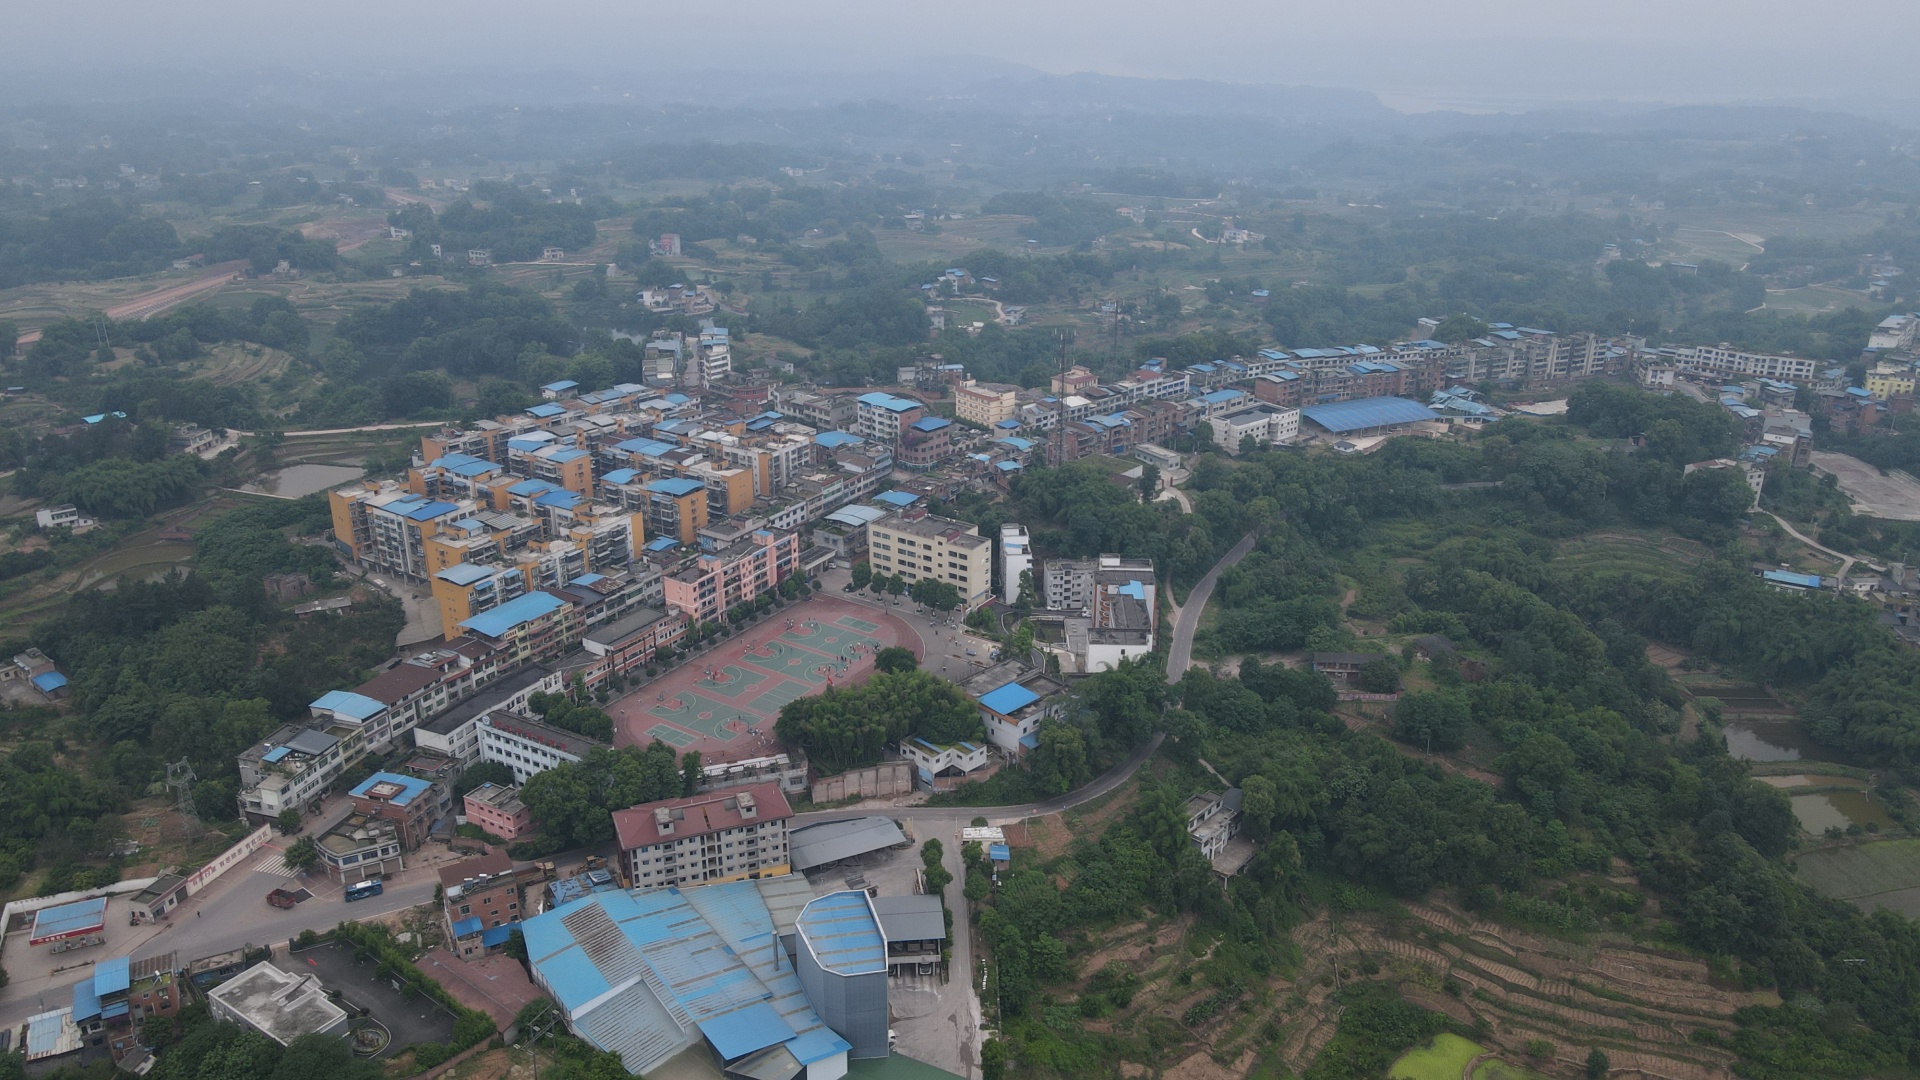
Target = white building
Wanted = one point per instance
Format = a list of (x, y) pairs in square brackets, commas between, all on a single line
[(1212, 820), (526, 745), (915, 545), (934, 764), (1016, 558), (1267, 425), (63, 517), (1014, 699), (1723, 360)]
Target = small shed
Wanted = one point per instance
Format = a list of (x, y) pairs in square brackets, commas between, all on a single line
[(1434, 647)]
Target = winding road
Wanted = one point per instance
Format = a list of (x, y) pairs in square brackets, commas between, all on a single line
[(1846, 561)]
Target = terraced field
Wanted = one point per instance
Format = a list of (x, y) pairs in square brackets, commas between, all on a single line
[(1640, 1005)]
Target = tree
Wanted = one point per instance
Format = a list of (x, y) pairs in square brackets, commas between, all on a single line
[(302, 855), (862, 574), (691, 772), (1597, 1064), (1149, 482), (289, 820), (1431, 721), (322, 1057), (895, 660), (896, 585), (936, 594), (1380, 676), (486, 772)]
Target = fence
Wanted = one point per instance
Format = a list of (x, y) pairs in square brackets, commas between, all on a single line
[(228, 859)]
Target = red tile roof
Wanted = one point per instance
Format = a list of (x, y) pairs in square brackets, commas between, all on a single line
[(708, 813)]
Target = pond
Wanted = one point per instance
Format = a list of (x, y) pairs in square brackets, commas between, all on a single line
[(296, 480), (1773, 739), (1818, 813)]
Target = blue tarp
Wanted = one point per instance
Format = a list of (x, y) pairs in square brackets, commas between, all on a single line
[(999, 853), (1008, 698)]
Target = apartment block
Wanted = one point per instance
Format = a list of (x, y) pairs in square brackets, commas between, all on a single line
[(729, 835), (1016, 558), (497, 810), (480, 904), (526, 745), (721, 576), (985, 404), (916, 545)]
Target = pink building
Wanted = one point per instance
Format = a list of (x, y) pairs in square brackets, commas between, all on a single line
[(741, 571), (498, 810)]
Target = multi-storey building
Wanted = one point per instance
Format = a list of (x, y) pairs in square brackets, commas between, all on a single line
[(985, 404), (915, 545), (1014, 699), (455, 733), (676, 507), (535, 627), (480, 903), (882, 417), (704, 839), (634, 641), (386, 528), (526, 745), (1266, 425), (497, 810), (717, 579), (926, 442), (1016, 558), (406, 801), (1721, 361), (293, 767)]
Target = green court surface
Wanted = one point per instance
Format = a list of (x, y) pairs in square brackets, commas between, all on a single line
[(704, 717), (732, 681), (862, 625), (785, 693), (673, 736)]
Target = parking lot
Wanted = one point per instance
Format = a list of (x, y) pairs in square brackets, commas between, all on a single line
[(1894, 496)]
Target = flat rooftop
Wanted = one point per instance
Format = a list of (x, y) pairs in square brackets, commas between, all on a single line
[(280, 1005)]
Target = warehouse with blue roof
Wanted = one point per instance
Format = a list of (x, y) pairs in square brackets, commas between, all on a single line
[(706, 973), (1368, 416)]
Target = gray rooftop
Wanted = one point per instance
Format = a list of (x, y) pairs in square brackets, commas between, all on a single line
[(814, 846), (280, 1005), (487, 700), (919, 917), (610, 636)]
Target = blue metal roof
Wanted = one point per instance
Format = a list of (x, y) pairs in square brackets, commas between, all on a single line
[(515, 612), (897, 498), (566, 454), (834, 440), (1010, 425), (741, 1032), (1007, 466), (496, 935), (621, 476), (112, 976), (676, 486), (68, 918), (1031, 740), (1008, 698), (413, 786), (276, 754), (464, 573), (888, 402), (469, 925), (589, 579), (432, 510), (1804, 581), (1344, 416), (664, 543), (1016, 442), (348, 704), (86, 1000), (531, 487), (1218, 396), (48, 681), (647, 447), (844, 934), (563, 384), (1134, 589), (999, 853), (546, 411), (566, 500), (930, 423)]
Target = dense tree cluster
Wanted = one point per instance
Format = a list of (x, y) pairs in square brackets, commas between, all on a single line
[(848, 727), (572, 801)]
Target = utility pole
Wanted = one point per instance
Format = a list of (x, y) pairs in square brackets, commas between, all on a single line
[(1056, 443)]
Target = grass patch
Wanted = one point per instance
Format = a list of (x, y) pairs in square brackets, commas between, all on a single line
[(1443, 1059), (1495, 1069)]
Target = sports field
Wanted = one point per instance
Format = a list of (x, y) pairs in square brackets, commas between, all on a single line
[(724, 703)]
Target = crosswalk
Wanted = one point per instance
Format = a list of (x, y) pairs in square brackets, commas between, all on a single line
[(275, 865)]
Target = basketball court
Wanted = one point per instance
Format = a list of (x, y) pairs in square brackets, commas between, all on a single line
[(724, 703)]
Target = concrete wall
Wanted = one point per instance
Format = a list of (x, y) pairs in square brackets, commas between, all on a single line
[(875, 782)]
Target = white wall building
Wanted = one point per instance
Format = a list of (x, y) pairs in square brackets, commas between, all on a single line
[(1267, 425), (526, 745), (1016, 558)]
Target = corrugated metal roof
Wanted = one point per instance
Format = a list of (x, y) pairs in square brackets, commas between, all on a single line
[(524, 609), (1008, 698), (914, 917), (844, 934), (74, 918), (820, 845), (1343, 416), (348, 704)]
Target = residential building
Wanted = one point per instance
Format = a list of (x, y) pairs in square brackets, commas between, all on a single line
[(1265, 424), (385, 527), (941, 768), (361, 847), (455, 733), (718, 836), (526, 745), (406, 801), (780, 769), (1722, 361), (1342, 668), (480, 904), (66, 516), (1888, 380), (1016, 558), (926, 442), (498, 811), (985, 404), (676, 507), (634, 641), (533, 628), (292, 768), (915, 545), (882, 417), (716, 580), (1213, 819), (1014, 699), (191, 439)]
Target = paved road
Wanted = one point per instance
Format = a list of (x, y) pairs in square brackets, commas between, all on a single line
[(1180, 651), (1846, 561)]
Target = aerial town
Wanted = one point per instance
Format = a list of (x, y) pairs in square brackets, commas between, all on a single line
[(963, 571)]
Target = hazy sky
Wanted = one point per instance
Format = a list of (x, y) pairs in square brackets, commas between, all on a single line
[(1490, 50)]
